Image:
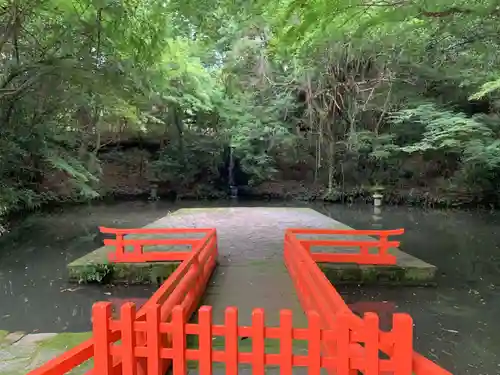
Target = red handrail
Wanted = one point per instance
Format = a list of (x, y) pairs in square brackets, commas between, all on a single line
[(317, 293), (382, 244), (192, 275), (138, 255)]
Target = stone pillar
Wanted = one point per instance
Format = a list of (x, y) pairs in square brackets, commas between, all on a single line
[(377, 199)]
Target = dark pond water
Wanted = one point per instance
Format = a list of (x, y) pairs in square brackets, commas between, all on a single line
[(457, 323)]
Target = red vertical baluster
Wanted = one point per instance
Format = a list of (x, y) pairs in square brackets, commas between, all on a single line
[(343, 336), (101, 316), (205, 340), (127, 315), (314, 338), (371, 339), (231, 340), (286, 342), (153, 339), (383, 245), (363, 251), (137, 253), (179, 341), (402, 331), (258, 342)]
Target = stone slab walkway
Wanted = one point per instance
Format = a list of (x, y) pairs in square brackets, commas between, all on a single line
[(251, 272)]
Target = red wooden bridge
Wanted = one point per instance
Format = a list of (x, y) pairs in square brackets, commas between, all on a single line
[(154, 339)]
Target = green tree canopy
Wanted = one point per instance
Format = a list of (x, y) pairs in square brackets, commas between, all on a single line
[(341, 92)]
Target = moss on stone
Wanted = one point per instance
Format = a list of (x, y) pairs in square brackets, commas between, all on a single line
[(351, 274), (347, 273), (65, 341), (144, 273), (129, 273), (3, 335), (95, 267), (88, 273), (419, 274), (385, 275), (369, 275)]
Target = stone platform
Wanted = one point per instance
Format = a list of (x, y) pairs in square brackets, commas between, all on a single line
[(95, 267), (250, 235), (408, 270)]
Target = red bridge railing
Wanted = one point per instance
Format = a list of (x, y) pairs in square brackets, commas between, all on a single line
[(316, 293), (138, 255), (381, 244), (185, 287), (348, 332), (154, 337)]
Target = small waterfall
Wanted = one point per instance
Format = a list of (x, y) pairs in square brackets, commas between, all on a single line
[(153, 193), (233, 189)]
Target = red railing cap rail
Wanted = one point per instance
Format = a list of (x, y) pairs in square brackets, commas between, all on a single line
[(355, 232), (154, 230)]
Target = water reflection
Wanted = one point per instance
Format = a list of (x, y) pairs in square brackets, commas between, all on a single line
[(377, 217)]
